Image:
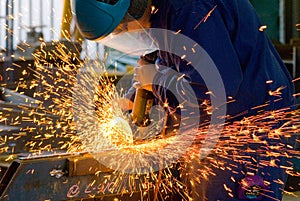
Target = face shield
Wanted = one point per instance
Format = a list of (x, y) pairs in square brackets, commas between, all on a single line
[(132, 35), (131, 38), (106, 22)]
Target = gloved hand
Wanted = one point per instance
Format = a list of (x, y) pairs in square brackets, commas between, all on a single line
[(144, 74), (123, 103)]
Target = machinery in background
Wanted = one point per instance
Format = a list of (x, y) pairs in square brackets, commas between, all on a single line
[(290, 54)]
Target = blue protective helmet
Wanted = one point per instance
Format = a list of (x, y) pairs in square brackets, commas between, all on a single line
[(98, 18)]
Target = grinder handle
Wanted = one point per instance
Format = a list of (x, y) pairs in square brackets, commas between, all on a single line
[(142, 104)]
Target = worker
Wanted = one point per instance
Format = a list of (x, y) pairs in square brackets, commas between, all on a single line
[(234, 38)]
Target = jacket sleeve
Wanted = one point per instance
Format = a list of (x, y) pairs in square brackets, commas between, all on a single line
[(203, 23)]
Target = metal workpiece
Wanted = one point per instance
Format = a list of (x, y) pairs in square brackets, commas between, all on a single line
[(63, 176)]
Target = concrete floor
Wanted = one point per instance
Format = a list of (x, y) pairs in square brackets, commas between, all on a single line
[(293, 197)]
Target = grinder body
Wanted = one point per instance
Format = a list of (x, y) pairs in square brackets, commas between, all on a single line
[(144, 99), (143, 102)]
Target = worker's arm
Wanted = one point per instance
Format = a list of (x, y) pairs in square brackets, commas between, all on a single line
[(213, 36)]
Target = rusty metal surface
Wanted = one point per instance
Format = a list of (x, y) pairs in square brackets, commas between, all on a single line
[(47, 177)]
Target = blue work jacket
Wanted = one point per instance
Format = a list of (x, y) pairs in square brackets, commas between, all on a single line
[(232, 35), (250, 68)]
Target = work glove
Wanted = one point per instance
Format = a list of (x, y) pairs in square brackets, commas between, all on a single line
[(144, 74)]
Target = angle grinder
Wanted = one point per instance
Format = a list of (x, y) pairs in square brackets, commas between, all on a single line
[(144, 99)]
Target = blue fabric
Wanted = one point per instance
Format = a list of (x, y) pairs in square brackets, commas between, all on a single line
[(246, 60), (243, 55)]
